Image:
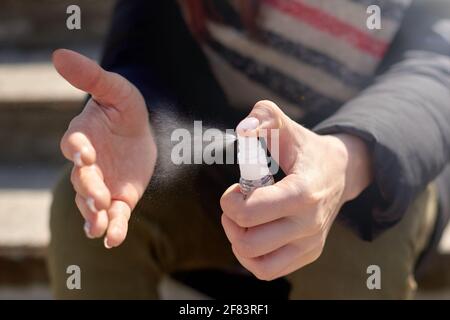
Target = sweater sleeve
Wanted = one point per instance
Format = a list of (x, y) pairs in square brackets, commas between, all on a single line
[(404, 116)]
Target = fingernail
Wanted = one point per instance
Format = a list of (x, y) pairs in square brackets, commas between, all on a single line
[(87, 230), (91, 204), (105, 242), (250, 123), (77, 159)]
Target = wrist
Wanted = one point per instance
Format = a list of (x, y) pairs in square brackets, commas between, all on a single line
[(358, 167)]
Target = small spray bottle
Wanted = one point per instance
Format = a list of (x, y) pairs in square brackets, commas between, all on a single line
[(252, 159)]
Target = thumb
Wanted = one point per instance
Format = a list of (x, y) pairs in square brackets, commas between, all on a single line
[(107, 88), (271, 119), (281, 133)]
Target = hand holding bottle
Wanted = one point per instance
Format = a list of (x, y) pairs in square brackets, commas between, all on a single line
[(282, 227)]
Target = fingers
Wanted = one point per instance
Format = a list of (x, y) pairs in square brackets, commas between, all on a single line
[(274, 231), (110, 89), (95, 222), (113, 222), (260, 240), (282, 135), (119, 213), (77, 148), (88, 182), (280, 262), (264, 205)]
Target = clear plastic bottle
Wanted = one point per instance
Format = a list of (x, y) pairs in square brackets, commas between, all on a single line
[(252, 159)]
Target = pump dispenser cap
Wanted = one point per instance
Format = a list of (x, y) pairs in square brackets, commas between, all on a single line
[(251, 154)]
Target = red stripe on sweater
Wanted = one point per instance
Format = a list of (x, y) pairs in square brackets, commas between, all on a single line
[(332, 25)]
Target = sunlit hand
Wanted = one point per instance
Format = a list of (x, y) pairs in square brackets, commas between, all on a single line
[(281, 228), (111, 145)]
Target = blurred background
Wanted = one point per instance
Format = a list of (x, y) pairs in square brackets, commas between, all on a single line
[(36, 106)]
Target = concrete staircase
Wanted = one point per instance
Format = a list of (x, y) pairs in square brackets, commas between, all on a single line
[(36, 106)]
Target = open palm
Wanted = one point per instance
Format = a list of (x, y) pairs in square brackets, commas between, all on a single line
[(110, 143)]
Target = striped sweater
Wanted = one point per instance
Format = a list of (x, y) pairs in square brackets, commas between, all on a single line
[(310, 55), (313, 58)]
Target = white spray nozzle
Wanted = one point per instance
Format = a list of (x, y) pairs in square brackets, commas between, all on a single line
[(251, 154)]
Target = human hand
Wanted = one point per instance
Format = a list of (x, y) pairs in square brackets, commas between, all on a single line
[(281, 228), (111, 145)]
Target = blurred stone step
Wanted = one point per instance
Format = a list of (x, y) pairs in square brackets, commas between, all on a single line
[(24, 222), (36, 105), (30, 23), (32, 135), (25, 197), (34, 82), (30, 292), (28, 77)]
